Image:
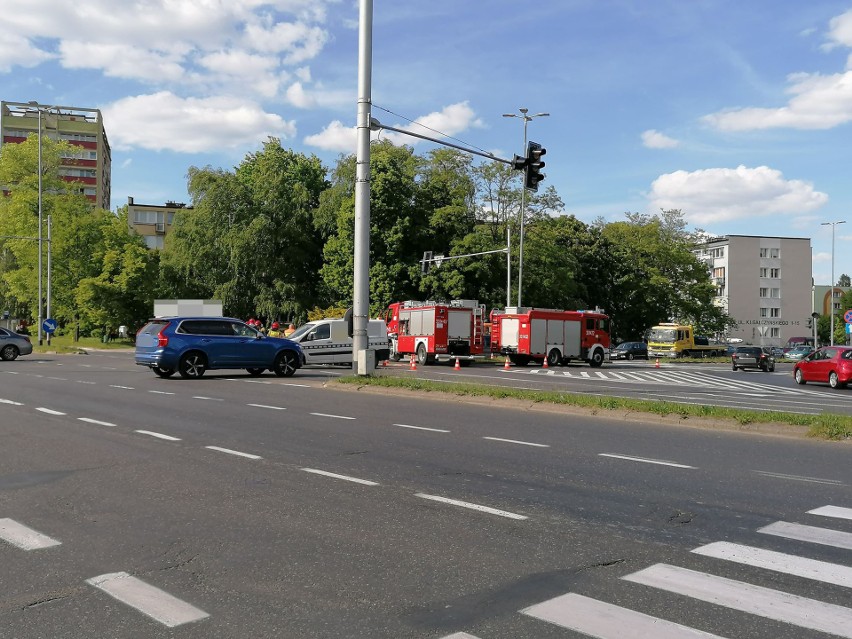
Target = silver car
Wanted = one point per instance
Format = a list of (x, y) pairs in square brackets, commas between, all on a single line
[(13, 344)]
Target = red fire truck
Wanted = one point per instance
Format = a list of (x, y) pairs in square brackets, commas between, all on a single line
[(435, 331), (533, 334)]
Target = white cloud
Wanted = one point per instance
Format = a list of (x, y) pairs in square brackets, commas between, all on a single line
[(821, 257), (335, 137), (711, 196), (126, 163), (653, 139), (303, 98), (840, 31), (164, 121), (298, 41), (16, 50), (450, 120), (121, 61)]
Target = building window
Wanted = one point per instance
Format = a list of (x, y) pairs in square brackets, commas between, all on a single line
[(764, 272), (764, 312), (764, 292), (764, 252), (775, 293), (154, 241), (774, 312), (718, 252), (774, 332), (775, 253), (719, 272), (775, 273)]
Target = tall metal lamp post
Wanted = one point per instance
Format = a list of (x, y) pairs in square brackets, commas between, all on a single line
[(527, 119), (831, 295)]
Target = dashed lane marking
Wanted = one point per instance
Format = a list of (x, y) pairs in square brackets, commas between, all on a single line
[(208, 399), (471, 506), (434, 430), (234, 452), (644, 460), (158, 435), (267, 406), (812, 480), (515, 441), (98, 422), (366, 482), (332, 416), (10, 402), (156, 392), (23, 537), (147, 599), (121, 387), (49, 411)]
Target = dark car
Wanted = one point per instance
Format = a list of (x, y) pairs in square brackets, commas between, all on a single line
[(753, 357), (14, 344), (630, 350), (192, 345), (830, 365)]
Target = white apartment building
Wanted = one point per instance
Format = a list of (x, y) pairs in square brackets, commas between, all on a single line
[(764, 283)]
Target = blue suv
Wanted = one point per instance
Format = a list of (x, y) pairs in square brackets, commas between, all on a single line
[(192, 345)]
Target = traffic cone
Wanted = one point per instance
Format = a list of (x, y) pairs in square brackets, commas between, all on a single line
[(506, 365), (544, 364), (457, 366), (413, 365), (385, 363), (657, 365)]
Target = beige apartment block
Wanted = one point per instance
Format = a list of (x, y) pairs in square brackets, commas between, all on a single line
[(89, 165), (764, 283), (153, 221)]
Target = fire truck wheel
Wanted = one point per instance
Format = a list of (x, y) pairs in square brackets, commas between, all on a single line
[(421, 355), (554, 357), (597, 358)]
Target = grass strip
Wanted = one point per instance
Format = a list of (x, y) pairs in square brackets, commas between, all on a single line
[(825, 426)]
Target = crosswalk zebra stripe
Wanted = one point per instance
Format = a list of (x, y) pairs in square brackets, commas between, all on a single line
[(832, 511), (779, 562), (812, 534), (460, 635), (756, 600), (607, 621)]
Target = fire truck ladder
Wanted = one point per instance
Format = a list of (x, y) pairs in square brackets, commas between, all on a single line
[(478, 326)]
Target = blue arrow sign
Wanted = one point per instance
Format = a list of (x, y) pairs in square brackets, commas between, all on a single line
[(49, 325)]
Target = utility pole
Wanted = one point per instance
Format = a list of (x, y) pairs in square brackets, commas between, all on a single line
[(831, 296)]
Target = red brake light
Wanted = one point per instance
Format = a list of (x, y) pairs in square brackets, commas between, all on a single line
[(162, 339)]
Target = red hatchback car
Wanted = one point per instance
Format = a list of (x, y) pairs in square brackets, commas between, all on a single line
[(830, 364)]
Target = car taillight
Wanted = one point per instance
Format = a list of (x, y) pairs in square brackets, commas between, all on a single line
[(162, 338)]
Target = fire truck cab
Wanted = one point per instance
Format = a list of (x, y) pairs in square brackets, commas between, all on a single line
[(527, 335), (435, 331)]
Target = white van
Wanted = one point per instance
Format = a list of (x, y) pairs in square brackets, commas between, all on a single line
[(326, 341)]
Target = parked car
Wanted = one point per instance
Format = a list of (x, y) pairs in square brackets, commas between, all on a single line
[(14, 344), (192, 345), (753, 357), (630, 350), (830, 365), (798, 353)]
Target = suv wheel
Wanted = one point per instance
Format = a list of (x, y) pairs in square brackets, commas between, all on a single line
[(285, 364), (192, 365)]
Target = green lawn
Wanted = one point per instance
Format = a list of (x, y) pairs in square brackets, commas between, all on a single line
[(66, 344)]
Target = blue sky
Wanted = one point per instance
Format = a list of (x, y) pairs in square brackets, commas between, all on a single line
[(736, 112)]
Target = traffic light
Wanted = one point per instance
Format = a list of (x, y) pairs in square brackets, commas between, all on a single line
[(426, 263), (533, 166)]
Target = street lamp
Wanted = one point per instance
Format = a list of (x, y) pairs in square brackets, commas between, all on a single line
[(527, 119), (831, 296), (40, 110)]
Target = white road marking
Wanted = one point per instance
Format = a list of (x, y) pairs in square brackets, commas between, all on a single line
[(80, 381), (832, 511), (122, 387), (644, 460), (298, 385), (159, 435), (812, 480), (811, 534), (756, 600), (465, 504), (515, 441), (460, 635), (10, 402), (366, 482), (779, 562), (11, 372), (234, 452), (23, 537), (434, 430), (147, 599), (607, 621), (252, 381), (265, 406), (161, 392), (334, 416), (209, 399), (49, 411), (58, 379), (88, 420)]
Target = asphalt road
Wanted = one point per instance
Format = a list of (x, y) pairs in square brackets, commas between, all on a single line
[(240, 507), (696, 383)]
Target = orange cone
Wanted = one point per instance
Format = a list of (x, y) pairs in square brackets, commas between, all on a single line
[(385, 363), (413, 365), (506, 365), (544, 364), (457, 366), (657, 365)]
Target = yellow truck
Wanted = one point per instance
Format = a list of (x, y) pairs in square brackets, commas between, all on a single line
[(679, 340)]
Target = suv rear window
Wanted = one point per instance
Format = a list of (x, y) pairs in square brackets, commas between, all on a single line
[(153, 327), (750, 350)]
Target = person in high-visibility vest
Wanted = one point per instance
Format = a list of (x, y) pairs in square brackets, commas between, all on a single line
[(289, 330), (274, 330)]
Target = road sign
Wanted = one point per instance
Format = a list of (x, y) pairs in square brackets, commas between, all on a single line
[(49, 325), (849, 329), (848, 316)]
